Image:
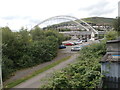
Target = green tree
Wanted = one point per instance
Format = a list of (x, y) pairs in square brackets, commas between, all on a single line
[(7, 35), (37, 34), (111, 35), (25, 35), (56, 34), (24, 49), (7, 41), (116, 24)]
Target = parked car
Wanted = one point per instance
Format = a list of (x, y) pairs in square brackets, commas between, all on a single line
[(79, 40), (69, 44), (84, 40), (76, 48), (76, 43), (62, 46)]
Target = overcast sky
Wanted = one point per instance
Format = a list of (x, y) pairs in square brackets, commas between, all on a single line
[(28, 13)]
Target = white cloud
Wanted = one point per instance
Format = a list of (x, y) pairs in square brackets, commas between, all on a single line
[(18, 13)]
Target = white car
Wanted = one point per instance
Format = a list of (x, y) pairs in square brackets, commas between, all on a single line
[(76, 43), (77, 48), (84, 40)]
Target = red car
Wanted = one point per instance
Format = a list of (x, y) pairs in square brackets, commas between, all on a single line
[(69, 44)]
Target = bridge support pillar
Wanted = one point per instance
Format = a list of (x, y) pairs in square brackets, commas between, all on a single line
[(93, 36)]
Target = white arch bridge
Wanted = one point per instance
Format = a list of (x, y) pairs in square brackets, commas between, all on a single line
[(73, 22)]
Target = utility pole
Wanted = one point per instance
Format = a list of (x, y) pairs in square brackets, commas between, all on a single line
[(1, 84)]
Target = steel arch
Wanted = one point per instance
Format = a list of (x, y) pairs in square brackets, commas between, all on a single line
[(70, 18)]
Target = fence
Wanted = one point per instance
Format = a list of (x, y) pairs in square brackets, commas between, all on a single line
[(111, 82)]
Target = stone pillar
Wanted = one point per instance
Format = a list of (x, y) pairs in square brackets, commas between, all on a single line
[(93, 36), (110, 65)]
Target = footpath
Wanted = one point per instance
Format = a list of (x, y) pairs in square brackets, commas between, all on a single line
[(36, 81)]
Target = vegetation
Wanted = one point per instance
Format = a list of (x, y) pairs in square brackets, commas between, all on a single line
[(117, 25), (85, 73), (28, 48), (111, 35), (62, 30), (99, 20), (114, 34), (25, 49)]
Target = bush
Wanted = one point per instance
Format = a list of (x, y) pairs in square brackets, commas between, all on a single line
[(111, 35), (85, 73), (7, 67), (116, 24), (24, 49)]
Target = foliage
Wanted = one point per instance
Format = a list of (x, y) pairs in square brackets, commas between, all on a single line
[(111, 35), (85, 73), (116, 24), (64, 29), (24, 49), (99, 20)]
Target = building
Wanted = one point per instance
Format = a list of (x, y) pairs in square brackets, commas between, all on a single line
[(83, 34), (71, 27)]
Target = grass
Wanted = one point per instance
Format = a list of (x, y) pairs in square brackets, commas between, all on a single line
[(14, 83), (99, 20)]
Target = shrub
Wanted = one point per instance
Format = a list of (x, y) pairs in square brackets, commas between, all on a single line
[(24, 49), (85, 73), (111, 35)]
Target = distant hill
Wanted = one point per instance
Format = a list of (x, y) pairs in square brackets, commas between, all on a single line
[(99, 20), (90, 20)]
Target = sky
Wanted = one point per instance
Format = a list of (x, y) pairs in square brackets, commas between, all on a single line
[(28, 13)]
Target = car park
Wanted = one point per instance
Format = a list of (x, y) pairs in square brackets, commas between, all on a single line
[(62, 46)]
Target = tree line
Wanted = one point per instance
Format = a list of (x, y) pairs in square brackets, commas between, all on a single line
[(25, 48)]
